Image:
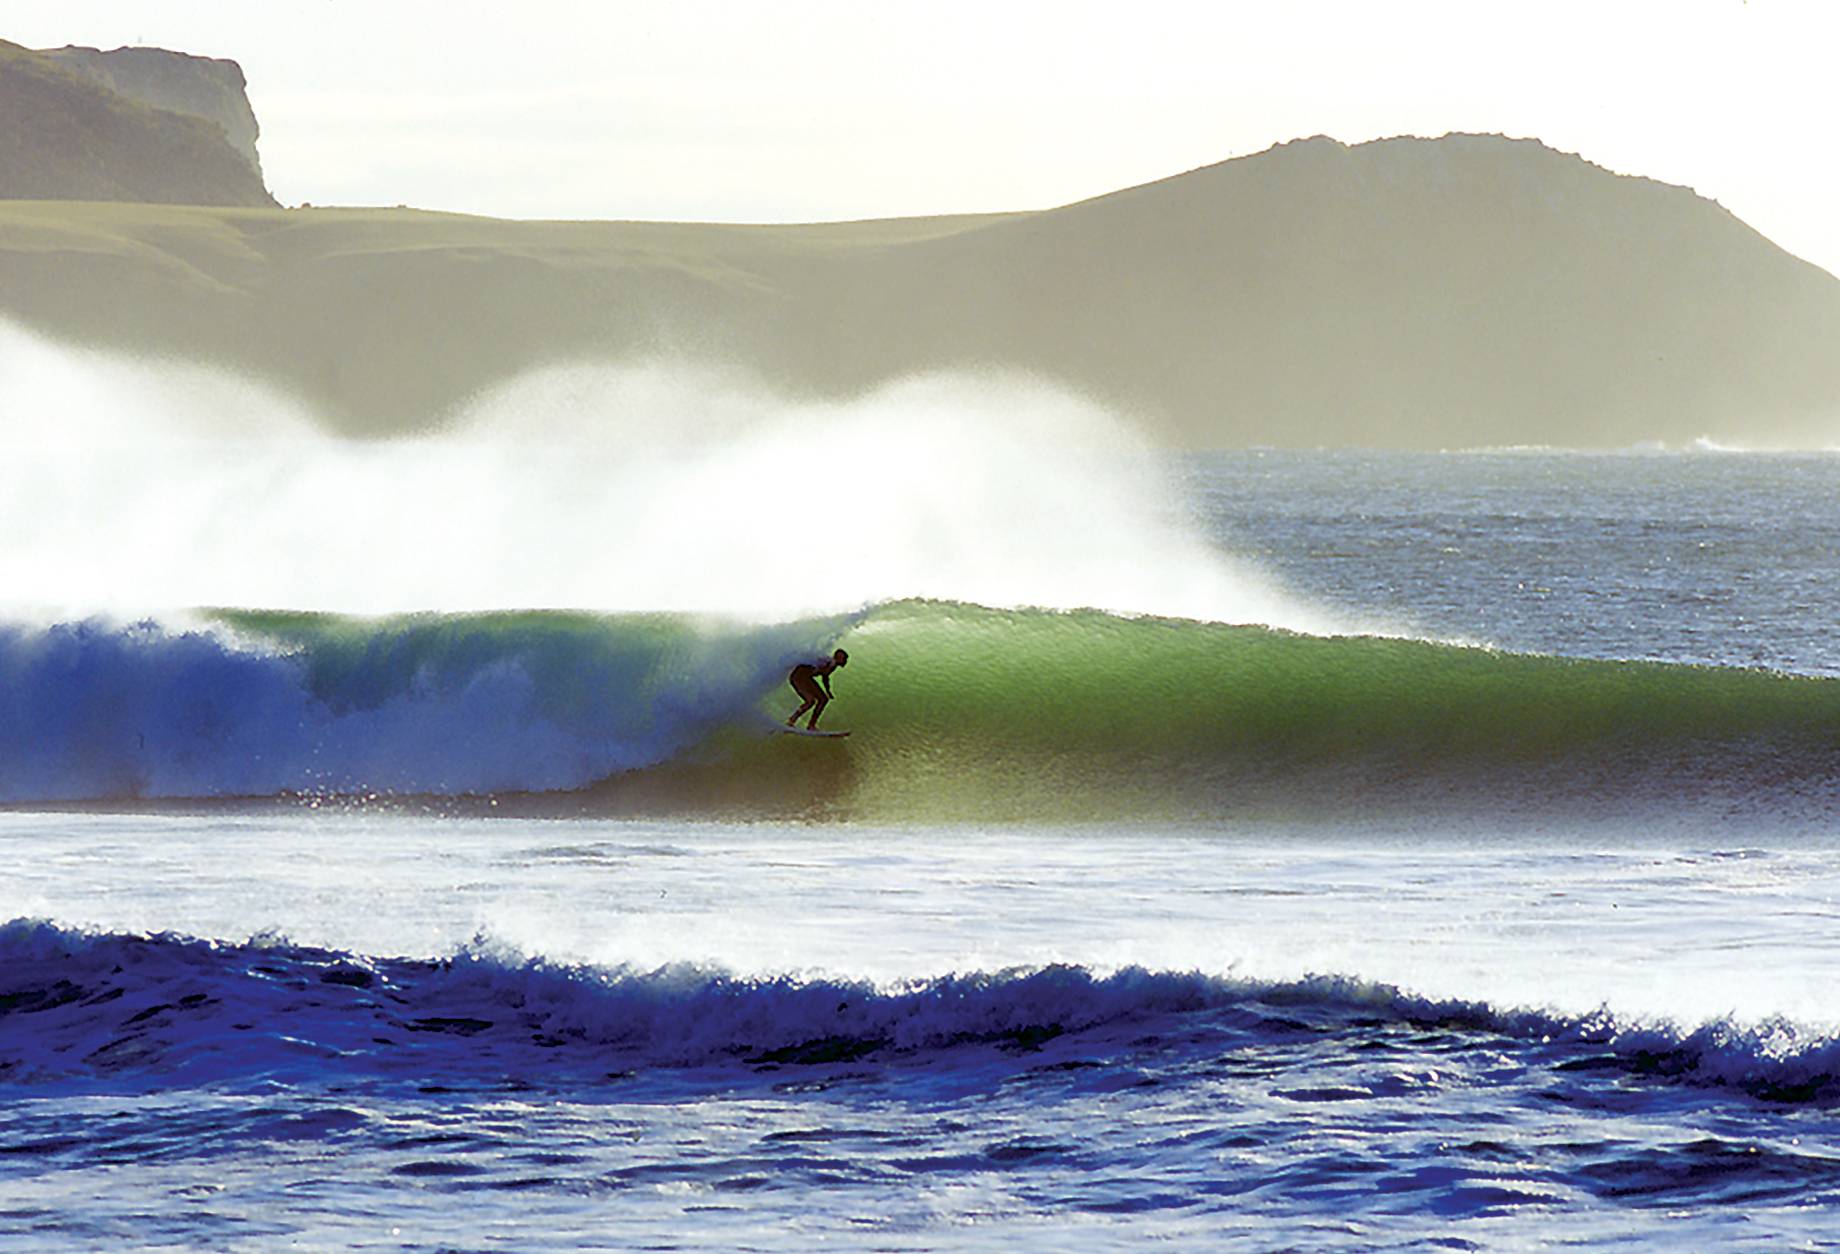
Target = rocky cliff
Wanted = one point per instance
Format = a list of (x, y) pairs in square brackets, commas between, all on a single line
[(69, 135), (202, 87)]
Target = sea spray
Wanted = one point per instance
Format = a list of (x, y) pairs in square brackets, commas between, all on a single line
[(138, 486)]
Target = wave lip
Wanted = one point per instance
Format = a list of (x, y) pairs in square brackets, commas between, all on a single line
[(161, 1011), (253, 705)]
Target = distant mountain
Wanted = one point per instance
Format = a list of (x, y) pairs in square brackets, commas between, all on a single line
[(1446, 292), (85, 125), (1455, 292)]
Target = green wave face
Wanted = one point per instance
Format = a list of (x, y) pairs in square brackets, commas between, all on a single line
[(957, 714), (961, 713)]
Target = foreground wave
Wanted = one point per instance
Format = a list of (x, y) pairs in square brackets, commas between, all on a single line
[(160, 1012), (958, 712)]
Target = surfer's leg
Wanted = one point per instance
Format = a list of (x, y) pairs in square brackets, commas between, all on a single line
[(821, 703), (808, 691)]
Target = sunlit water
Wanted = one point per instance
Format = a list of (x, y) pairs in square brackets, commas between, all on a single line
[(1727, 558)]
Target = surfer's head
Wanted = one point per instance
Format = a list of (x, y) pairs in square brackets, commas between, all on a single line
[(840, 657)]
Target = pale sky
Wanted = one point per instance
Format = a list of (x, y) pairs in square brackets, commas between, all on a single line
[(751, 111)]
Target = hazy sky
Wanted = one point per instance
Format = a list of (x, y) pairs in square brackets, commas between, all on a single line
[(753, 111)]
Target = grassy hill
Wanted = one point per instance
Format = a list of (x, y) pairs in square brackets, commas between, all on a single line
[(68, 136), (1413, 293)]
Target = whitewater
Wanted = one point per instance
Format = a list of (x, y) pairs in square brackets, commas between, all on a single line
[(1266, 849)]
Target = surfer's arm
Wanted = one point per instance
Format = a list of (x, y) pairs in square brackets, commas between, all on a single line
[(825, 676)]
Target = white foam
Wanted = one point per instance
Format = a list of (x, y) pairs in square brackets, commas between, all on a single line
[(135, 484)]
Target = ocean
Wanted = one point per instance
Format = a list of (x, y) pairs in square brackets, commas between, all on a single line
[(1264, 850)]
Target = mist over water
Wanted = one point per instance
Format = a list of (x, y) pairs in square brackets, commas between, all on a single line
[(136, 485)]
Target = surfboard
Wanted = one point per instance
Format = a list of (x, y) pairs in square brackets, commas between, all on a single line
[(821, 735)]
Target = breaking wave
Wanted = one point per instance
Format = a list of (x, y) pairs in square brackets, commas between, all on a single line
[(956, 712), (161, 1011)]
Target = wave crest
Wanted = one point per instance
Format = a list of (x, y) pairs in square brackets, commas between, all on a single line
[(165, 1011)]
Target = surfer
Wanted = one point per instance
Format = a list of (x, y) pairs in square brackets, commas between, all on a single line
[(804, 680)]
